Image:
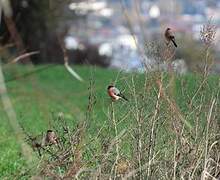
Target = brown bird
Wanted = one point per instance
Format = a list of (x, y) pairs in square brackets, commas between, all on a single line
[(170, 36), (51, 137), (115, 94)]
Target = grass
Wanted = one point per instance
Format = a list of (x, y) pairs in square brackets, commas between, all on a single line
[(37, 96), (154, 131)]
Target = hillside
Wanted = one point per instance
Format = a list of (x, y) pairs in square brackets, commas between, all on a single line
[(164, 117)]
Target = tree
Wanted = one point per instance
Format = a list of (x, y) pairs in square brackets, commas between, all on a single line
[(41, 25), (36, 21)]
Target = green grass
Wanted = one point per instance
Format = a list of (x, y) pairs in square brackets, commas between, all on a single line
[(37, 96)]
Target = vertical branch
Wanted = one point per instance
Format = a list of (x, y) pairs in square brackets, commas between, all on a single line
[(129, 24), (14, 33), (66, 61), (137, 7), (207, 35), (117, 143), (26, 150), (139, 130), (92, 100), (154, 120), (175, 162), (207, 133)]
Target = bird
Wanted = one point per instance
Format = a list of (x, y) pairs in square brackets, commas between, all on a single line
[(51, 137), (115, 93), (170, 36)]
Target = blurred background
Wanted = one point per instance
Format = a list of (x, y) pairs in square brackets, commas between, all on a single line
[(109, 33)]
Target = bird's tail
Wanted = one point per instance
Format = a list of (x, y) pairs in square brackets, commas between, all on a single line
[(174, 42), (123, 97)]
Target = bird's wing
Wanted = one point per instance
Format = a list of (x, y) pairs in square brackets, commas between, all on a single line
[(115, 91)]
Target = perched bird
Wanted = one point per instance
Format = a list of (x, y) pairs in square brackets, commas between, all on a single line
[(115, 94), (51, 137), (170, 36)]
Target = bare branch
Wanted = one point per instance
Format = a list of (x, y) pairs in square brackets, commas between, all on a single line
[(23, 56)]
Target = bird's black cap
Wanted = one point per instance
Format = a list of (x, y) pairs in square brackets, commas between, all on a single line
[(48, 131), (110, 87)]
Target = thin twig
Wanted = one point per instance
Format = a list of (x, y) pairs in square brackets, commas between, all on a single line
[(23, 56)]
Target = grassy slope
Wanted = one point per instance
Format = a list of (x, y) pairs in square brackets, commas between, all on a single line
[(37, 96)]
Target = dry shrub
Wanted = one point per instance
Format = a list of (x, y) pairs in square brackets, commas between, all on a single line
[(163, 137)]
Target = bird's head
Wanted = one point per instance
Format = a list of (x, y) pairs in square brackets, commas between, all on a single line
[(110, 86)]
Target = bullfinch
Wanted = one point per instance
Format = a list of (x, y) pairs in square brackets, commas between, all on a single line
[(170, 36), (51, 137), (115, 93)]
